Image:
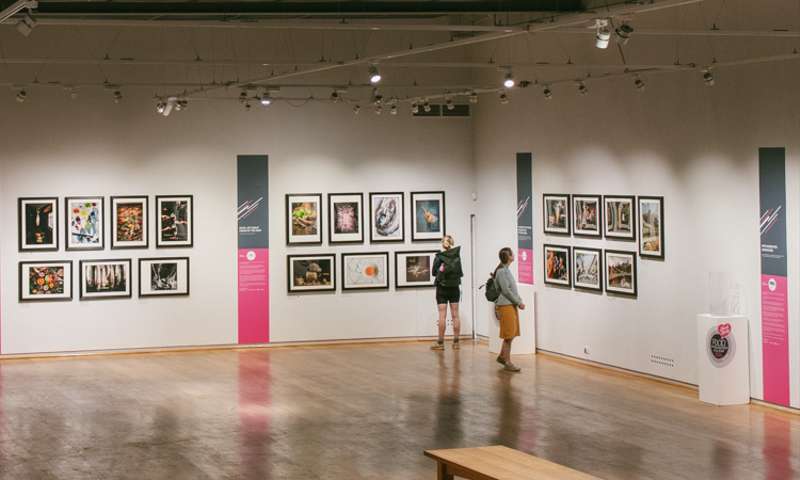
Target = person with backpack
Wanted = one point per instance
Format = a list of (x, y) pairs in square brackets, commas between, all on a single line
[(448, 272), (501, 288)]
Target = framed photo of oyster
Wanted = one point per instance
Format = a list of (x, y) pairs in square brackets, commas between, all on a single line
[(311, 273), (304, 219), (346, 217), (428, 221), (387, 220)]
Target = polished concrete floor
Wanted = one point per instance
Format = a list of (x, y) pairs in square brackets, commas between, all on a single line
[(365, 412)]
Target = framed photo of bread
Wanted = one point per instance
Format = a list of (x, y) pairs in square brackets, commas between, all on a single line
[(37, 224), (557, 265), (414, 269), (620, 275), (164, 277), (556, 213), (311, 273), (304, 219), (428, 216), (45, 281), (651, 227)]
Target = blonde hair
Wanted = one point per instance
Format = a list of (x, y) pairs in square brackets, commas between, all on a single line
[(448, 242)]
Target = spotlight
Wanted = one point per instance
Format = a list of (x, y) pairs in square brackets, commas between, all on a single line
[(548, 94), (503, 98), (243, 97), (414, 108), (624, 33), (378, 109), (639, 84), (374, 75), (26, 25), (338, 95), (582, 88), (117, 96), (393, 110), (426, 107), (602, 33), (708, 77), (377, 99), (508, 80), (22, 95), (247, 106), (448, 102), (356, 109), (473, 97), (181, 104), (265, 99)]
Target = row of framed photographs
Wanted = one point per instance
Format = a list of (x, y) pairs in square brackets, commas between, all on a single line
[(359, 271), (346, 212), (590, 269), (85, 222), (102, 279), (582, 215)]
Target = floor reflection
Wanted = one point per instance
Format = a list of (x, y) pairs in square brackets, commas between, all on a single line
[(254, 405)]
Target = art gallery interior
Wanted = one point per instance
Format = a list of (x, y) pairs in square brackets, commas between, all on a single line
[(221, 222)]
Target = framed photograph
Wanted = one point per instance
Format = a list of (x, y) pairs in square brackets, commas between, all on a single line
[(105, 279), (163, 277), (620, 217), (414, 269), (174, 221), (37, 221), (620, 272), (557, 264), (428, 221), (365, 271), (556, 213), (84, 222), (387, 217), (587, 268), (346, 217), (311, 273), (586, 215), (651, 227), (129, 223), (304, 219), (45, 281)]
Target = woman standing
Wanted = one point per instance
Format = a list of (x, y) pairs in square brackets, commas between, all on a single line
[(506, 307), (447, 268)]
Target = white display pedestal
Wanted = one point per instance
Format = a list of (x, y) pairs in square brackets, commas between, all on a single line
[(723, 362), (526, 342)]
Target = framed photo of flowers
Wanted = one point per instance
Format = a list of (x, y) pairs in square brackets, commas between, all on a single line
[(45, 281)]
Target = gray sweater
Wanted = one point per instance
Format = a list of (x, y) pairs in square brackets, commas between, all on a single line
[(505, 281)]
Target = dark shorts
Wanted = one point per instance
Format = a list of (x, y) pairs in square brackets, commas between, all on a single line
[(445, 295)]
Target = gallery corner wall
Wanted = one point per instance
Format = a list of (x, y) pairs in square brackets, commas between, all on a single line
[(94, 147)]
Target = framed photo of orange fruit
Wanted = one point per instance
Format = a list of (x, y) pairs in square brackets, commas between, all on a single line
[(428, 218), (45, 281), (365, 271)]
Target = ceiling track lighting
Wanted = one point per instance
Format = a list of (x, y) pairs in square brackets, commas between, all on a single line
[(22, 95), (582, 89), (426, 107), (243, 97), (503, 98), (357, 109), (374, 75), (378, 109), (26, 24), (548, 94), (265, 99), (623, 33), (448, 103), (181, 104), (473, 97), (247, 106), (508, 80), (414, 107), (602, 35), (117, 95), (708, 77), (393, 110), (639, 84)]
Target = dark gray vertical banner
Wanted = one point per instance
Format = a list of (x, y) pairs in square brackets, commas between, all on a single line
[(253, 253), (774, 284), (525, 217)]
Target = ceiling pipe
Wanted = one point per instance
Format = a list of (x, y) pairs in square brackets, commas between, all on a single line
[(15, 8)]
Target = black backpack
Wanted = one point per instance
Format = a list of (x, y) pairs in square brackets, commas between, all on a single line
[(492, 292)]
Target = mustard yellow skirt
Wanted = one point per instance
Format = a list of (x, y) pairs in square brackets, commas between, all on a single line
[(508, 315)]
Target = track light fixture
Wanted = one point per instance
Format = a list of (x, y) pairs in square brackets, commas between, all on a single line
[(426, 107), (356, 109), (414, 108), (473, 97), (243, 97), (117, 96), (503, 98), (374, 75), (26, 24), (266, 99), (508, 80), (73, 92), (247, 106), (548, 94), (582, 89), (708, 77), (639, 84), (181, 104), (393, 110), (624, 33), (22, 95), (602, 33), (448, 103), (378, 109)]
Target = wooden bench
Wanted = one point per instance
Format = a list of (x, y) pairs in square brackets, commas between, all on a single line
[(499, 463)]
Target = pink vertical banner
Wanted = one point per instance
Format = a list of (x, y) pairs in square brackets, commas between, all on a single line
[(774, 338), (525, 266), (525, 218), (253, 254)]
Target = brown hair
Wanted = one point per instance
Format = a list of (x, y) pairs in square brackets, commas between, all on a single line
[(504, 254), (448, 242)]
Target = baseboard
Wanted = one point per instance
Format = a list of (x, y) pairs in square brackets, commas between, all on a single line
[(772, 406)]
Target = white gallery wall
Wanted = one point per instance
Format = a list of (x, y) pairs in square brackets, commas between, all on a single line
[(63, 147), (694, 145)]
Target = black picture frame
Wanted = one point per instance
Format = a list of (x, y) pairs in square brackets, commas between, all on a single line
[(402, 285), (661, 239), (372, 237), (634, 292), (343, 276), (546, 228), (83, 297), (165, 259), (600, 269), (112, 230), (568, 255), (600, 207), (22, 245), (332, 235), (614, 236), (20, 282), (288, 218), (102, 222), (423, 236), (328, 288), (160, 243)]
